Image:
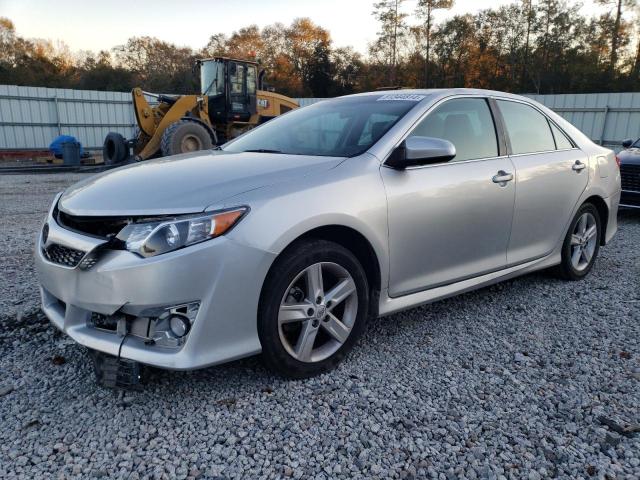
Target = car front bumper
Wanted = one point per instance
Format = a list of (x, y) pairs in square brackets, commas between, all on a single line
[(630, 180), (224, 276), (630, 199)]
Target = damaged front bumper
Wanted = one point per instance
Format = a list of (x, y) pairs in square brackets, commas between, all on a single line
[(121, 304)]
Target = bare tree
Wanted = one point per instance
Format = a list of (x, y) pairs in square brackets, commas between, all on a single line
[(529, 15), (425, 12), (393, 28)]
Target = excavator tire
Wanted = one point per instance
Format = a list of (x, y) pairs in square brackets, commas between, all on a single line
[(114, 149), (185, 136)]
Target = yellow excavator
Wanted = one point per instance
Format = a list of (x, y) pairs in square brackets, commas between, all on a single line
[(233, 100)]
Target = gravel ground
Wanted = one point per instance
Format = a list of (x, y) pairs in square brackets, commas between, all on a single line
[(527, 379)]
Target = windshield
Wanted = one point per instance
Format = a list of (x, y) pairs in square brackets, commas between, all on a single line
[(212, 78), (636, 144), (343, 127)]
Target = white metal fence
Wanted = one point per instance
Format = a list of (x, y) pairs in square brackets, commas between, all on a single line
[(31, 117), (606, 118)]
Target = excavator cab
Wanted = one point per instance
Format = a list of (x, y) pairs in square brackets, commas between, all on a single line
[(231, 86)]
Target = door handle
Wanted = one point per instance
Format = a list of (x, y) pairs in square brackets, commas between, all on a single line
[(502, 177), (578, 166)]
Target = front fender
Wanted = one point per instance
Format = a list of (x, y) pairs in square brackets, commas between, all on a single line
[(349, 195)]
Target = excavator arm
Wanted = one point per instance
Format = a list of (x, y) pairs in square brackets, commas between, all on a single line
[(154, 120)]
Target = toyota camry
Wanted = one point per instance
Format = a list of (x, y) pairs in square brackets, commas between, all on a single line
[(285, 240)]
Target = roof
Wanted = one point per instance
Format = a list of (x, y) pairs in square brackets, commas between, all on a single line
[(240, 60), (444, 92)]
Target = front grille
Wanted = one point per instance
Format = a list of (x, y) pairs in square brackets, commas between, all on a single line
[(69, 257), (103, 227), (630, 177)]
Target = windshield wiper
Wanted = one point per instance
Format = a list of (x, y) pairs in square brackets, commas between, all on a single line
[(263, 150)]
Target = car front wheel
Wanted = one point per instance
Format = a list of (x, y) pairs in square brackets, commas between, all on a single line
[(313, 308)]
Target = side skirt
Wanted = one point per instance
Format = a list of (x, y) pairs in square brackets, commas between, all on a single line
[(390, 305)]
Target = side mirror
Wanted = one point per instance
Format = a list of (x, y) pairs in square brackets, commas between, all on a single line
[(627, 143), (416, 151)]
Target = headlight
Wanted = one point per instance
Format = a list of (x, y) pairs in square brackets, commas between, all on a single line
[(162, 236)]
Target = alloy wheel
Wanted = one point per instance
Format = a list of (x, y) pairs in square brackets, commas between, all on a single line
[(317, 312), (583, 241)]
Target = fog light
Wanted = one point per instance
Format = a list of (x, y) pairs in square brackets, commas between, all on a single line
[(179, 325)]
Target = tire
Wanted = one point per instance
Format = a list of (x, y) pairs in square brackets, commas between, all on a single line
[(185, 136), (115, 149), (576, 241), (287, 285)]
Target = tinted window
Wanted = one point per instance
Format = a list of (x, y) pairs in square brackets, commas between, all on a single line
[(342, 127), (562, 142), (527, 128), (251, 80), (465, 122), (236, 77), (212, 78)]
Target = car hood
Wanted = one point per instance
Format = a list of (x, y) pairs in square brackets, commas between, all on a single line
[(186, 183), (630, 156)]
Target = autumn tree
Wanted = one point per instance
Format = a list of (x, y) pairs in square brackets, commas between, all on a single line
[(545, 46), (618, 37), (348, 66), (159, 66), (455, 45)]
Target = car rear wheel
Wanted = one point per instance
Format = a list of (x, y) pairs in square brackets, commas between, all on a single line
[(581, 245), (313, 308)]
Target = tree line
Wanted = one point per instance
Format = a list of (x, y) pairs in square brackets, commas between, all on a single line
[(542, 46)]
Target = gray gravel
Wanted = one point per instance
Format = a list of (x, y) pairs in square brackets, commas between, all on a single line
[(528, 379)]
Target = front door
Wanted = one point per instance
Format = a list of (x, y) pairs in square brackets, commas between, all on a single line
[(242, 91), (451, 221)]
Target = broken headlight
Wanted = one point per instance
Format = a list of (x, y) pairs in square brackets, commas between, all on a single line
[(149, 238)]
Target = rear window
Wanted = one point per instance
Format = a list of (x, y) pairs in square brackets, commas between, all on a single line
[(527, 128), (562, 142)]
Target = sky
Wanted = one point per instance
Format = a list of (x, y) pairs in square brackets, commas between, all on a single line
[(103, 24)]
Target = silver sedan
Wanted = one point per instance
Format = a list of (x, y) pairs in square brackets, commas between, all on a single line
[(288, 238)]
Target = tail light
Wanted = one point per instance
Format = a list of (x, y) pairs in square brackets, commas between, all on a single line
[(618, 161)]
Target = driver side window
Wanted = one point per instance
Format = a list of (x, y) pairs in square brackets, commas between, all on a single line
[(465, 122)]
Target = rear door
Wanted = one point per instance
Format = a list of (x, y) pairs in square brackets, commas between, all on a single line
[(551, 174), (451, 220)]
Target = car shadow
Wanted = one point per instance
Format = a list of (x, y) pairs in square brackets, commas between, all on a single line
[(249, 375)]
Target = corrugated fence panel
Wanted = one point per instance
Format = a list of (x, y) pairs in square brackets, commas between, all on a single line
[(606, 118), (303, 102), (31, 117)]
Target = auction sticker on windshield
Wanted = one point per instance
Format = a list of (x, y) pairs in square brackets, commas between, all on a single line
[(412, 97)]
